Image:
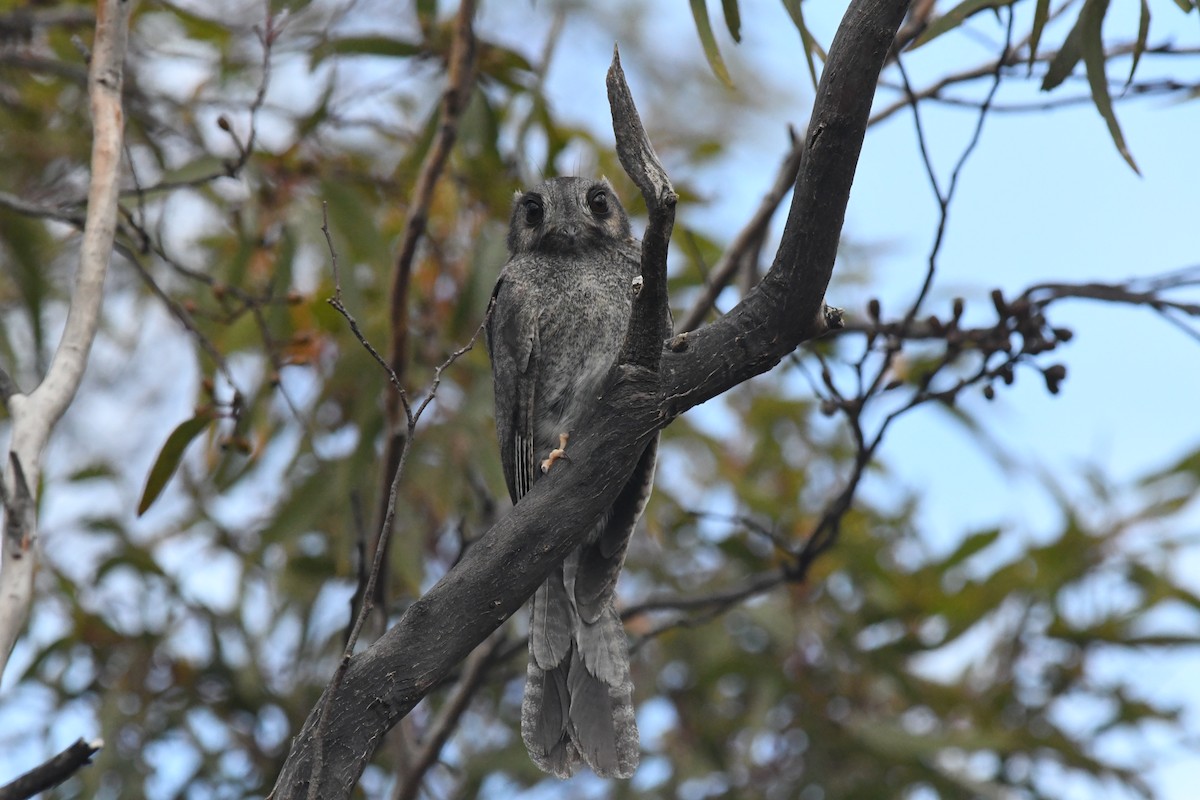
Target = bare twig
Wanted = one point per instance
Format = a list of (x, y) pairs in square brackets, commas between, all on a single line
[(914, 25), (22, 22), (1013, 60), (459, 80), (336, 303), (944, 198), (721, 598), (34, 415), (826, 531), (8, 387), (52, 772), (383, 536), (267, 35), (14, 203)]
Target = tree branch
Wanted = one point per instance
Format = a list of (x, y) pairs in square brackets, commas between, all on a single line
[(53, 772), (643, 340), (502, 569), (788, 306), (1014, 59), (33, 415)]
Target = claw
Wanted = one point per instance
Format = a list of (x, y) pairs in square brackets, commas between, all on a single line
[(556, 453)]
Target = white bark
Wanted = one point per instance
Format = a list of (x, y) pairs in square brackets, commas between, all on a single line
[(34, 415)]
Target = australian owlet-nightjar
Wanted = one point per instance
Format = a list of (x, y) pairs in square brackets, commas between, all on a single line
[(562, 305)]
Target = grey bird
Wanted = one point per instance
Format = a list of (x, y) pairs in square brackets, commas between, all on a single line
[(561, 307)]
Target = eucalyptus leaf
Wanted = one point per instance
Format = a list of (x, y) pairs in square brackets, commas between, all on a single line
[(170, 456), (708, 41)]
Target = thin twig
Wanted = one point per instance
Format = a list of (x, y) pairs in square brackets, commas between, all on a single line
[(21, 206), (826, 531), (459, 82), (339, 306), (723, 597), (1012, 60), (944, 199), (181, 315), (267, 35), (383, 537)]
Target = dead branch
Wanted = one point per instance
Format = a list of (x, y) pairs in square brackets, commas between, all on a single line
[(51, 773)]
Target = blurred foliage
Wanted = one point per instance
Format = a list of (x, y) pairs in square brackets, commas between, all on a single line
[(196, 638)]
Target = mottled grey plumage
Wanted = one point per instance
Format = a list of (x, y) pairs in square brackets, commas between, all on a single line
[(562, 305)]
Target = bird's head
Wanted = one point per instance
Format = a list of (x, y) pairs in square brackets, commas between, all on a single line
[(566, 215)]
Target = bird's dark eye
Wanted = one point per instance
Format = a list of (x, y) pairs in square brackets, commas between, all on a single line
[(598, 202), (534, 213)]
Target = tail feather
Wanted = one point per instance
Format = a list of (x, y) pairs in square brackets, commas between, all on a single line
[(605, 650), (544, 716), (602, 718), (592, 724), (551, 623), (581, 709)]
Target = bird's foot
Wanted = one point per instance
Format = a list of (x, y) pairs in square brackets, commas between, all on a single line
[(556, 453)]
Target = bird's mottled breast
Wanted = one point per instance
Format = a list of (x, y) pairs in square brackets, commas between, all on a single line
[(583, 302)]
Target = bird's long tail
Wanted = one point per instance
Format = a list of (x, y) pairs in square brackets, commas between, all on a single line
[(578, 704)]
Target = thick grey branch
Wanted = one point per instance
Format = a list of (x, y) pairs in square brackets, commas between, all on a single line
[(489, 584), (788, 306)]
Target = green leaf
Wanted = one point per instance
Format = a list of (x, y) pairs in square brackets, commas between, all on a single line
[(806, 38), (215, 31), (134, 558), (955, 17), (733, 18), (1187, 5), (1066, 58), (26, 245), (1040, 15), (708, 41), (368, 46), (1139, 46), (426, 15), (96, 471), (970, 546), (170, 456), (1091, 20), (1188, 466)]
